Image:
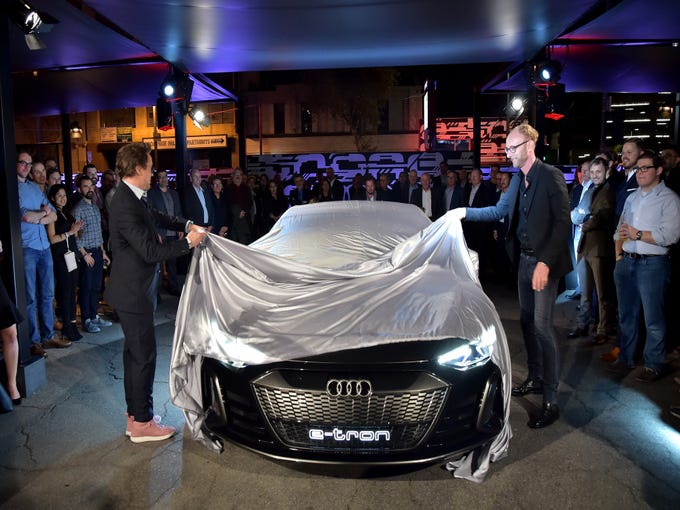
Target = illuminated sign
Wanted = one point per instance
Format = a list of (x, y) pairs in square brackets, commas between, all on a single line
[(193, 142)]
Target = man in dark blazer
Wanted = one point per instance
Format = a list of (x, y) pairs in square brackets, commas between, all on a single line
[(537, 205), (132, 286), (424, 190), (166, 200), (453, 195), (299, 195), (197, 205), (337, 188), (479, 236)]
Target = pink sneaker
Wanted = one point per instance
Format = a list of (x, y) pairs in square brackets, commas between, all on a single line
[(130, 419), (152, 430), (128, 425)]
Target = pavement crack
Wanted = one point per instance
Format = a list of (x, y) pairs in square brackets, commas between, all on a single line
[(27, 445)]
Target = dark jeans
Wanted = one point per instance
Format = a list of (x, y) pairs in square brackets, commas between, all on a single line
[(90, 282), (139, 363), (536, 318), (65, 285), (642, 283)]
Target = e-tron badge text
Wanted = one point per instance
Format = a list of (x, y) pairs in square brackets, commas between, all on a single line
[(350, 435), (349, 388)]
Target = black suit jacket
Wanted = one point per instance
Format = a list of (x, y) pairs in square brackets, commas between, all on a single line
[(137, 251), (294, 199), (483, 197), (417, 199), (193, 210), (337, 190), (158, 203), (548, 217)]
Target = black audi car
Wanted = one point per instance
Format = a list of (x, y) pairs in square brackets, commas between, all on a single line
[(373, 392)]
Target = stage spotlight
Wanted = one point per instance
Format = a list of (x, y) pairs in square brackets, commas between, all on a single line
[(517, 103), (168, 90), (30, 21), (198, 117), (545, 73), (515, 108), (177, 87)]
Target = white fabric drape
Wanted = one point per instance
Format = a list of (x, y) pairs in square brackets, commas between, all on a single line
[(330, 277)]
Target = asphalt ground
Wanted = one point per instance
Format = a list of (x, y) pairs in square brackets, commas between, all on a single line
[(615, 445)]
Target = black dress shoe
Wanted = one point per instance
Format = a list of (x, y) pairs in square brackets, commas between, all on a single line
[(16, 401), (549, 414), (578, 333), (528, 386)]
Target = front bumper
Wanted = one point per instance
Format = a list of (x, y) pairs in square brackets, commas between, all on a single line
[(416, 412)]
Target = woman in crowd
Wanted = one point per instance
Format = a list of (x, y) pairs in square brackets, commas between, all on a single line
[(274, 204), (324, 192), (9, 317), (62, 235), (222, 219)]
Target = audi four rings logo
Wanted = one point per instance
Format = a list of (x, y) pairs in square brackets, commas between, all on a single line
[(349, 388)]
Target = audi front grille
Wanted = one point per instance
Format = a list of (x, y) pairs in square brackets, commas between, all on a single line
[(357, 414)]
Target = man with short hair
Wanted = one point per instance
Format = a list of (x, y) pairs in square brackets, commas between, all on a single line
[(299, 195), (479, 236), (384, 193), (427, 199), (630, 153), (90, 169), (50, 164), (166, 200), (537, 207), (439, 180), (671, 167), (132, 286), (649, 224), (53, 177), (453, 195), (196, 205), (337, 189), (36, 212), (412, 185), (93, 255), (39, 176), (581, 195), (370, 193)]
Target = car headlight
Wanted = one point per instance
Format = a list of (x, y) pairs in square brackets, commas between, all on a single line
[(470, 355)]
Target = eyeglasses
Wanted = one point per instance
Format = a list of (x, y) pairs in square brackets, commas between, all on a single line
[(24, 163), (511, 149), (643, 169)]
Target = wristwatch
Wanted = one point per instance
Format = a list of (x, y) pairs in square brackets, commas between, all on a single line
[(638, 236)]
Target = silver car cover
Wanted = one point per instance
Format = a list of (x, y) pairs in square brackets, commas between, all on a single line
[(329, 277)]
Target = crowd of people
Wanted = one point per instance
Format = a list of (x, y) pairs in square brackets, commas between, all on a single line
[(620, 244)]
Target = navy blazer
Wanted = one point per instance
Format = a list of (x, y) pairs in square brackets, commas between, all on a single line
[(548, 217), (137, 251), (193, 210)]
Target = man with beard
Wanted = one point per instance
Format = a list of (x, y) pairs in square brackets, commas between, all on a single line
[(92, 255), (630, 153), (537, 206)]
